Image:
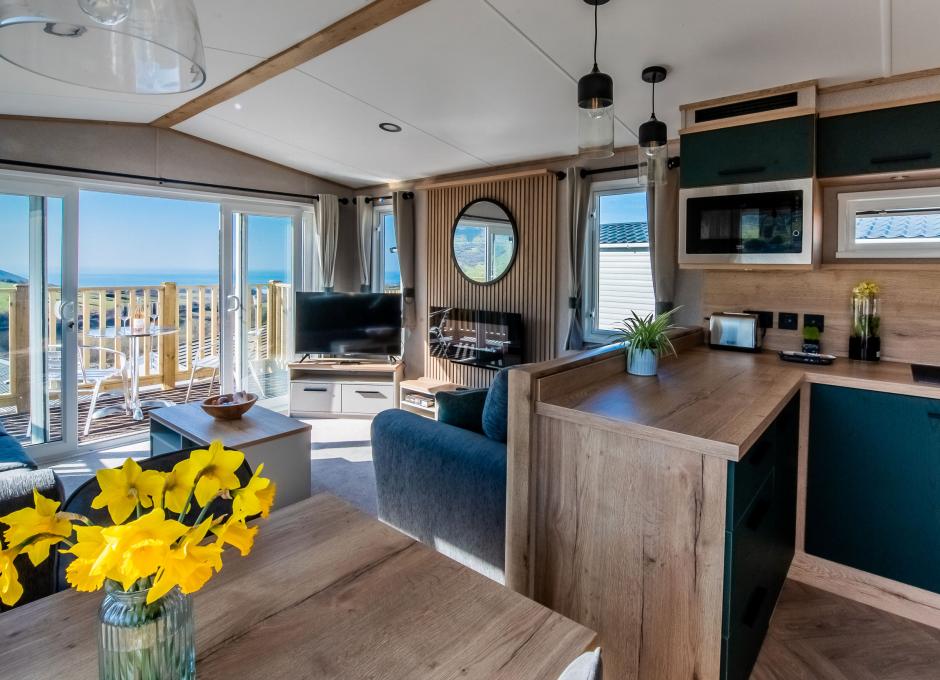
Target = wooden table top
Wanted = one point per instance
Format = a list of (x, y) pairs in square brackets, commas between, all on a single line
[(327, 592), (714, 401), (257, 426)]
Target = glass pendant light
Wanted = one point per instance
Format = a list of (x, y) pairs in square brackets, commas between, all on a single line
[(133, 46), (596, 107), (652, 134)]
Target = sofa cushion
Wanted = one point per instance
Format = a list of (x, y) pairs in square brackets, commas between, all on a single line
[(496, 408), (12, 455)]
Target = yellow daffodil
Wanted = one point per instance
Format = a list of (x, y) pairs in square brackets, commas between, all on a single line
[(235, 532), (124, 487), (140, 547), (256, 497), (10, 589), (175, 490), (92, 563), (189, 565), (212, 470), (40, 527)]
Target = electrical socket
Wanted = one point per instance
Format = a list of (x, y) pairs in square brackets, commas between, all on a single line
[(817, 320), (766, 318), (788, 321)]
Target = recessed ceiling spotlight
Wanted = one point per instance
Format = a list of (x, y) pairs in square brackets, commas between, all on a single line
[(238, 107), (390, 127)]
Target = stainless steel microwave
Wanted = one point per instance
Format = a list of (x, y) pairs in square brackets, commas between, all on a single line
[(760, 223)]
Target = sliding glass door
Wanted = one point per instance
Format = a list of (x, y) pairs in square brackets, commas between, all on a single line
[(265, 256), (37, 323)]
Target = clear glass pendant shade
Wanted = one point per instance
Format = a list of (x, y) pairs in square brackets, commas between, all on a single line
[(134, 46), (596, 132)]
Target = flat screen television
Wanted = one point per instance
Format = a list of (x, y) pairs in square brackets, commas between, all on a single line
[(347, 323), (475, 337)]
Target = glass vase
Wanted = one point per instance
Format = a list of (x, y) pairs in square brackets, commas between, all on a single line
[(137, 641), (865, 340)]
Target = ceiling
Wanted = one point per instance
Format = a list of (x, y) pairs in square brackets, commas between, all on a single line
[(476, 83)]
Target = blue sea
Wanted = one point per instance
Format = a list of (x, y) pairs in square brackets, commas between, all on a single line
[(188, 278)]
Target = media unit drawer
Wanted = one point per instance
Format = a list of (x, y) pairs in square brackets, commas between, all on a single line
[(368, 398), (314, 397)]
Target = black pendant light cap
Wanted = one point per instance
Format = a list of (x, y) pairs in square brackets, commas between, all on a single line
[(595, 90), (654, 74), (652, 133)]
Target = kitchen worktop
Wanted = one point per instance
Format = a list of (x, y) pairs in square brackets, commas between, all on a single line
[(716, 402)]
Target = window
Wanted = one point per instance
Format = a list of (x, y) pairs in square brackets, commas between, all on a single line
[(386, 276), (900, 223), (618, 275)]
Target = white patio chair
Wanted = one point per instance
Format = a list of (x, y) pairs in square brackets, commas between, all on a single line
[(90, 378), (212, 361)]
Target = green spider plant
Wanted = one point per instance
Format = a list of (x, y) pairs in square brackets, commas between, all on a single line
[(648, 332)]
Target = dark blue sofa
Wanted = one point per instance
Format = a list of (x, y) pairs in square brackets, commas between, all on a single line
[(444, 482), (19, 475)]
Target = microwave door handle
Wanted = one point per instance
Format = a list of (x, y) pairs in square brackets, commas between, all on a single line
[(747, 170)]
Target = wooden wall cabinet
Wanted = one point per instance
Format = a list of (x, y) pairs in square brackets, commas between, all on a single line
[(759, 152), (896, 139), (873, 483)]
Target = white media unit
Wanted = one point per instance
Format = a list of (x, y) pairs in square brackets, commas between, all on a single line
[(335, 387)]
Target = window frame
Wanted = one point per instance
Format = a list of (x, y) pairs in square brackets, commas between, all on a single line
[(379, 212), (590, 282), (851, 204)]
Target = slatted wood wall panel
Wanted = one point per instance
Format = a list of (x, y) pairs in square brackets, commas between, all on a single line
[(529, 287)]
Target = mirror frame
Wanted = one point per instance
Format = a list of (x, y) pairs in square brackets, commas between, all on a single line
[(515, 238)]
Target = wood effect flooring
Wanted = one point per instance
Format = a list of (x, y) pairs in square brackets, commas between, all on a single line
[(815, 635)]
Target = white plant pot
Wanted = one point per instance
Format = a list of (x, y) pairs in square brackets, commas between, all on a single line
[(642, 362)]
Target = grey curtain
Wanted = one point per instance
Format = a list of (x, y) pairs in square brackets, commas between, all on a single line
[(365, 225), (405, 232), (328, 235), (578, 200), (662, 206)]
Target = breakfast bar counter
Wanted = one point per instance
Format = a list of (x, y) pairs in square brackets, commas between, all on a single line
[(712, 401), (666, 512)]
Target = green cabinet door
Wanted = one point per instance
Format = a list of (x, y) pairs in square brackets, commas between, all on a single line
[(873, 483), (884, 140), (761, 152)]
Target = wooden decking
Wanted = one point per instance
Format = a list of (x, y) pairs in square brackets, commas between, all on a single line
[(17, 424)]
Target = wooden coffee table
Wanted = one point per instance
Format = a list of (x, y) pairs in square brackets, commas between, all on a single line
[(281, 443), (327, 593)]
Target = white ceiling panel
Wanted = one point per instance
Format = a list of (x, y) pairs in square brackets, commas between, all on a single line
[(458, 71), (265, 28), (328, 126), (713, 48), (914, 44), (25, 93)]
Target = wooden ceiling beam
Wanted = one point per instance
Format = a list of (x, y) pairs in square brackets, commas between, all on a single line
[(358, 23)]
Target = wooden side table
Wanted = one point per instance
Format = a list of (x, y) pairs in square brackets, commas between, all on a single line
[(281, 443), (417, 396)]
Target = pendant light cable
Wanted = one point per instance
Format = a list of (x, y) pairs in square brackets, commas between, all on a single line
[(595, 37)]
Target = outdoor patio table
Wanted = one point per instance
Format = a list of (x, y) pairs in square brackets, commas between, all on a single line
[(136, 405)]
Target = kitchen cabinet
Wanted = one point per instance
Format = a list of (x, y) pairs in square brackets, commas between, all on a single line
[(759, 152), (873, 483), (883, 140), (759, 540)]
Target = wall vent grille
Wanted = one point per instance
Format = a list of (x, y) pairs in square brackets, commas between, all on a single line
[(748, 106)]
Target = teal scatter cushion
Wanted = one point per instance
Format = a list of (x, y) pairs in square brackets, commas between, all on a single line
[(496, 408)]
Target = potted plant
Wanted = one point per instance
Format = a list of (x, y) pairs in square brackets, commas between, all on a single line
[(645, 340), (149, 558)]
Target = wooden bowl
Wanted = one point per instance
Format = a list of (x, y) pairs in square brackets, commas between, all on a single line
[(229, 406)]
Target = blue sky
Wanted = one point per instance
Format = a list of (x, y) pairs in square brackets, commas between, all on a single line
[(119, 233), (623, 208)]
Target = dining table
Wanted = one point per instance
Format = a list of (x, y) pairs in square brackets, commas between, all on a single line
[(328, 592), (136, 405)]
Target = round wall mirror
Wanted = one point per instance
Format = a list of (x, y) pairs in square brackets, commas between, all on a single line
[(485, 241)]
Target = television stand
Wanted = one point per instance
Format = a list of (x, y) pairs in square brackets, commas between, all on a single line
[(338, 388)]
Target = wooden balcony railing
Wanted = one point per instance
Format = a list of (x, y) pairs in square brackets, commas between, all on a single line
[(194, 309)]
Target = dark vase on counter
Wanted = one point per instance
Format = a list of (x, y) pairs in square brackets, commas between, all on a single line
[(865, 340)]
